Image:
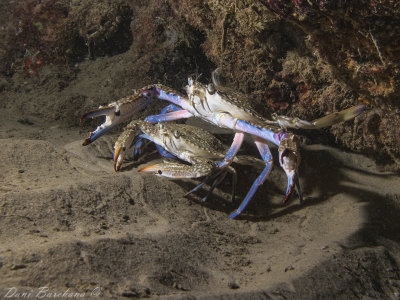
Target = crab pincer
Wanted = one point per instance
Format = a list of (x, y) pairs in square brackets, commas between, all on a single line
[(117, 112)]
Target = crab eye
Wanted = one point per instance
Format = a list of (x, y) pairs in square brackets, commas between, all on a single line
[(211, 88), (177, 134)]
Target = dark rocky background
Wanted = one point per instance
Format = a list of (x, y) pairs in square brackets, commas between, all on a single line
[(300, 58)]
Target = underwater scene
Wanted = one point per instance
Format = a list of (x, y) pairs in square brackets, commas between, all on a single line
[(196, 149)]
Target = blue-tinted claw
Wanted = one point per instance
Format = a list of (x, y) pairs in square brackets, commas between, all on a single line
[(293, 182), (289, 159), (103, 128), (113, 118), (289, 188), (100, 131), (116, 113), (165, 93)]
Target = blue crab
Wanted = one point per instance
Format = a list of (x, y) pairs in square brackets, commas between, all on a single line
[(229, 109), (197, 147)]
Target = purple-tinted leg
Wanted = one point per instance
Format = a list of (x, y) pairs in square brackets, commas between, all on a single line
[(138, 149), (236, 144), (233, 150), (170, 108), (140, 140), (176, 115), (267, 157), (139, 144), (164, 153)]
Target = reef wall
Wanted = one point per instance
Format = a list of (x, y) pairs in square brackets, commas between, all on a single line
[(300, 58)]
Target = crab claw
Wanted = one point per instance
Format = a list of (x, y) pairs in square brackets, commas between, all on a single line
[(179, 170), (117, 112), (156, 169), (170, 170), (108, 112), (289, 159), (118, 157), (125, 141), (293, 181)]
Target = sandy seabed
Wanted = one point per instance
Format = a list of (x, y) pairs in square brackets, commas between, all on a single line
[(70, 224)]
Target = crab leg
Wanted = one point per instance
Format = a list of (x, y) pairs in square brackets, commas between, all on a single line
[(164, 153), (204, 182), (171, 116), (289, 158), (267, 157), (331, 119), (236, 144), (220, 175), (170, 108), (165, 93), (139, 145), (227, 121), (140, 139), (138, 148), (220, 179), (233, 150), (217, 181)]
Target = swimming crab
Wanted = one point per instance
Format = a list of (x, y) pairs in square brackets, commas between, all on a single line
[(227, 108), (197, 147)]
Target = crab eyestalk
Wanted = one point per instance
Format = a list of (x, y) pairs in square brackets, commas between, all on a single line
[(289, 159)]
